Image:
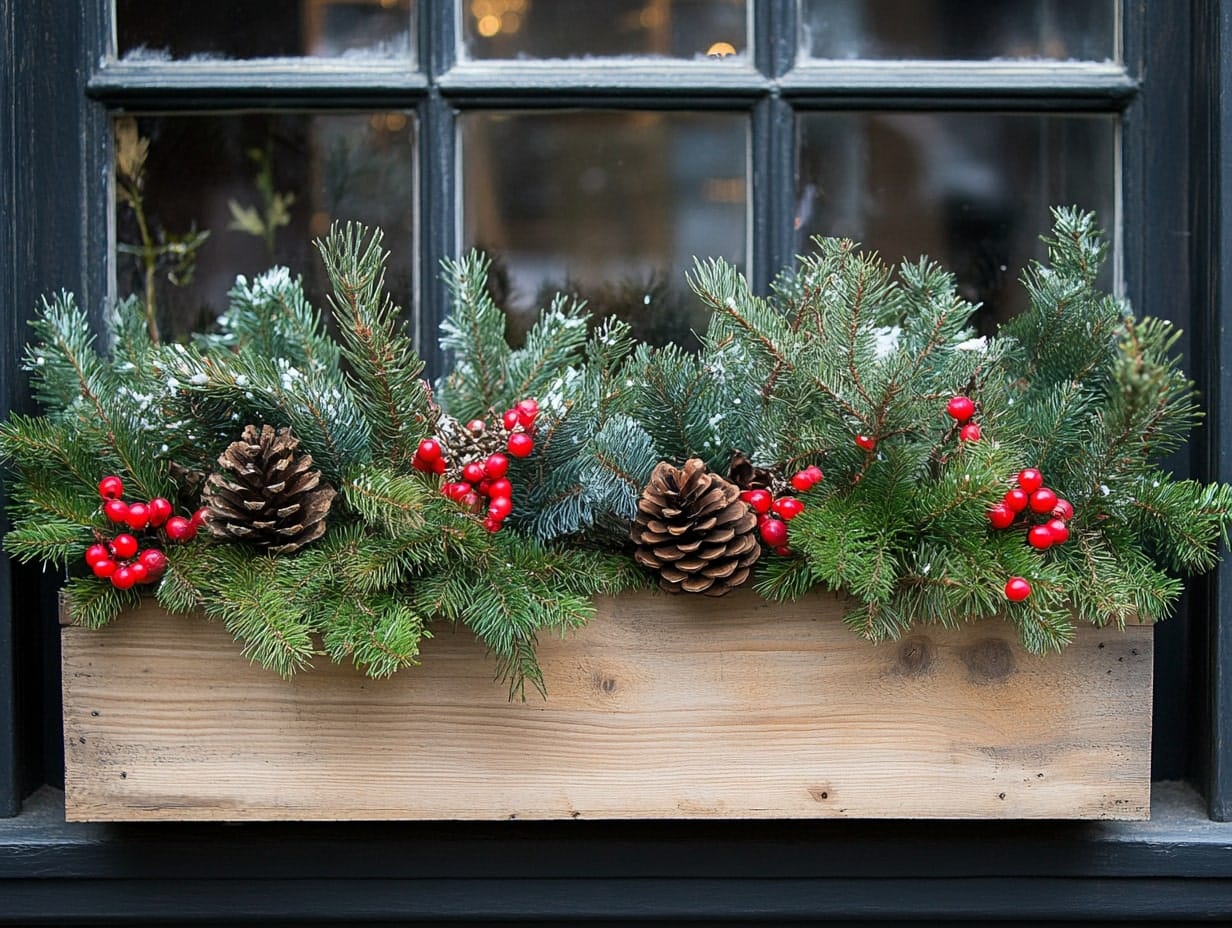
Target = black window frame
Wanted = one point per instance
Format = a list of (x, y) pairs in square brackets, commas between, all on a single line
[(58, 92)]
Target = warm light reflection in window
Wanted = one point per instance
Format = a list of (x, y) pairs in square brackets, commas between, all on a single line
[(492, 17)]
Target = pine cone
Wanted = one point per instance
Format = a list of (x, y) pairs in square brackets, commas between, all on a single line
[(266, 494), (460, 446), (693, 529), (744, 475)]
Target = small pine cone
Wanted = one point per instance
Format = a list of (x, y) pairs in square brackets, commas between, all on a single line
[(694, 531), (460, 446), (746, 476), (267, 495)]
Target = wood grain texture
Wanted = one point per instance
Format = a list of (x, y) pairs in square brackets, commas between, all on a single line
[(731, 708)]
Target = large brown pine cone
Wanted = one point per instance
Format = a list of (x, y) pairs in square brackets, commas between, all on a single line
[(693, 529), (265, 494)]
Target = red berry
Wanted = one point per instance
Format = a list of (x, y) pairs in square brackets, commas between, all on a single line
[(471, 501), (180, 529), (501, 487), (1064, 509), (473, 472), (492, 525), (438, 466), (429, 450), (527, 410), (111, 487), (520, 444), (788, 507), (124, 546), (485, 487), (1017, 589), (138, 516), (1058, 529), (867, 442), (760, 500), (969, 432), (199, 517), (417, 462), (160, 511), (783, 551), (96, 553), (815, 472), (1030, 479), (123, 578), (500, 507), (116, 510), (1040, 536), (154, 560), (960, 408), (774, 532), (1000, 516), (497, 465), (510, 419), (476, 426), (1043, 500), (104, 568), (1016, 500), (139, 572), (802, 481), (455, 491)]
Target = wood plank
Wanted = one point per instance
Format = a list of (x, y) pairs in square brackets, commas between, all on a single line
[(731, 708)]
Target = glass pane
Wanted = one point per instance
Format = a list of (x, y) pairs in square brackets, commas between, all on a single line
[(971, 190), (960, 29), (580, 28), (610, 205), (224, 29), (263, 186)]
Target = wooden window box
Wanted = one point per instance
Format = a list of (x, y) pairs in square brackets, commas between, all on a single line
[(663, 707)]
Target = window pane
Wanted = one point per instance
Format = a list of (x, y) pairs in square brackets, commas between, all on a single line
[(960, 29), (578, 28), (610, 205), (265, 29), (971, 190), (263, 186)]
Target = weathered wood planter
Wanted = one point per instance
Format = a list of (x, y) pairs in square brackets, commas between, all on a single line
[(661, 708)]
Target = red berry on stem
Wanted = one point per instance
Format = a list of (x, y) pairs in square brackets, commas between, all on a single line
[(160, 511), (1058, 529), (802, 481), (788, 507), (1016, 500), (116, 510), (473, 472), (501, 487), (476, 426), (1043, 500), (429, 450), (760, 500), (1064, 509), (104, 568), (124, 546), (1017, 589), (1030, 479), (774, 532), (96, 553), (969, 432), (500, 507), (199, 517), (814, 472), (960, 408), (139, 571), (154, 560), (1000, 516), (438, 466), (420, 464), (123, 578), (527, 410), (485, 487), (180, 529), (510, 418), (520, 444), (867, 442), (471, 501), (455, 491), (1040, 537), (496, 466), (138, 516), (492, 525), (783, 551), (111, 487)]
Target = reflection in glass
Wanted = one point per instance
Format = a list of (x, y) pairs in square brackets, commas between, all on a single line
[(608, 205), (240, 29), (959, 29), (580, 28), (971, 190), (263, 186)]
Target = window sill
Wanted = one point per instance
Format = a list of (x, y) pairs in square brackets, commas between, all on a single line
[(1175, 866)]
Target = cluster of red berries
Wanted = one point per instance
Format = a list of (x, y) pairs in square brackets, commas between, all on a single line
[(961, 408), (1030, 498), (485, 479), (774, 514), (122, 559)]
